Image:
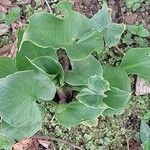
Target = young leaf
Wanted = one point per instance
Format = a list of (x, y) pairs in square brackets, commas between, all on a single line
[(72, 32), (94, 94), (49, 66), (102, 21), (137, 61), (31, 51), (76, 113), (82, 70), (113, 34), (13, 14), (139, 30), (144, 132), (19, 91), (7, 66), (119, 94)]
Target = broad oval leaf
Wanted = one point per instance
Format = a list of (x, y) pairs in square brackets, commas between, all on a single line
[(137, 61), (94, 94), (82, 70), (19, 91), (117, 98), (76, 113), (72, 32), (7, 66)]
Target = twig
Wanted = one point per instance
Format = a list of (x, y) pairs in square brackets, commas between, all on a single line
[(127, 141), (48, 138), (49, 8)]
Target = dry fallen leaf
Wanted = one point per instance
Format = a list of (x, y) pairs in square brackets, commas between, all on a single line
[(5, 2), (3, 29), (142, 88), (130, 18), (3, 9), (23, 145), (45, 144)]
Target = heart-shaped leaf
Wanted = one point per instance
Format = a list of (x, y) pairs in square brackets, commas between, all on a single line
[(72, 32), (76, 113), (102, 21), (19, 91), (93, 95), (7, 66), (119, 94), (137, 61), (82, 70)]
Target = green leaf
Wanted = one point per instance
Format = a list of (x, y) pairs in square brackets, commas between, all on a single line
[(117, 98), (113, 34), (137, 61), (76, 113), (31, 51), (147, 146), (139, 30), (12, 16), (7, 66), (19, 92), (144, 132), (82, 70), (72, 32), (49, 66), (130, 3), (147, 115), (102, 21), (5, 143), (19, 36), (117, 77), (94, 94), (19, 133), (2, 17)]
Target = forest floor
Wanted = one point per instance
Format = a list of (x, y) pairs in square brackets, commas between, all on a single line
[(120, 132)]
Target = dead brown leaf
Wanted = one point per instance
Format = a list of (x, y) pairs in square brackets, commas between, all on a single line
[(130, 18), (3, 29), (5, 2), (23, 145), (44, 143), (3, 9), (23, 2), (8, 50)]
